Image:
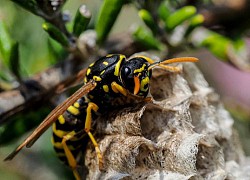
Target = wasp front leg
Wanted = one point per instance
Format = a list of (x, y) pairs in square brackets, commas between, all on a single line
[(94, 107), (118, 89)]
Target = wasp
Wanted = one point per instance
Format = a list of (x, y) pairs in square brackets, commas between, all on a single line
[(111, 81)]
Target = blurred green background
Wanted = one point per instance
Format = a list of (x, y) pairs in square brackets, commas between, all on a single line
[(38, 52)]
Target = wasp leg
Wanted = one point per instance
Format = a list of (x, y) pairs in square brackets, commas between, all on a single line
[(71, 159), (118, 89), (94, 107)]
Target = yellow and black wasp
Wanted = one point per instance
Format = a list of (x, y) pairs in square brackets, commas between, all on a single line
[(107, 80)]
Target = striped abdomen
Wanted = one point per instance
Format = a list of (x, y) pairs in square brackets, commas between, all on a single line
[(71, 122)]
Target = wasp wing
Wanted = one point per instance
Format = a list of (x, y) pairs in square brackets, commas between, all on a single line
[(52, 117)]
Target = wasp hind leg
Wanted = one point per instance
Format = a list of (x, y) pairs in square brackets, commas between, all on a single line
[(94, 107), (71, 159)]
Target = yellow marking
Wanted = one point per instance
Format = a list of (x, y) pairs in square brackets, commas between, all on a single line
[(76, 104), (105, 63), (143, 83), (97, 78), (73, 110), (61, 133), (61, 119), (109, 55), (105, 88), (141, 69), (92, 64), (68, 152), (102, 72), (58, 133), (88, 71), (118, 65), (114, 89), (85, 79), (147, 59), (59, 144)]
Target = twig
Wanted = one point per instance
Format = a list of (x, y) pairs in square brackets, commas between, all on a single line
[(40, 88)]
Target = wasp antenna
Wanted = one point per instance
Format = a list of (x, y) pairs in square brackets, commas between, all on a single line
[(173, 60), (180, 59), (153, 65)]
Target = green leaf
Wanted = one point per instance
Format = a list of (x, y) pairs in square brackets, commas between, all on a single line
[(6, 44), (21, 124), (194, 22), (56, 34), (106, 18), (217, 44), (30, 5), (56, 51), (15, 60), (164, 10), (179, 17), (81, 21), (238, 54), (239, 44), (9, 51), (146, 39), (148, 19)]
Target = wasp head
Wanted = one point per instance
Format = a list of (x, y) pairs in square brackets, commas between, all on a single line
[(135, 76)]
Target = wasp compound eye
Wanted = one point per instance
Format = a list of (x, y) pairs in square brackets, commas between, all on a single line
[(126, 72), (127, 78)]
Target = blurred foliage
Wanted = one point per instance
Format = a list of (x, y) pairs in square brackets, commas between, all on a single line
[(109, 11), (37, 34), (81, 20), (16, 127)]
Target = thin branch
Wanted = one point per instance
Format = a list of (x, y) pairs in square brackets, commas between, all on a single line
[(40, 88)]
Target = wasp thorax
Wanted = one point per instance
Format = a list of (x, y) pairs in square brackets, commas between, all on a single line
[(135, 76)]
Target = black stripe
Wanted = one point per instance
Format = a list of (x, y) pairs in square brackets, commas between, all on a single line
[(81, 142), (56, 138), (64, 158)]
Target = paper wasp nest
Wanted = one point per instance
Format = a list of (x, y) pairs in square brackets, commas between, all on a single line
[(184, 134)]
